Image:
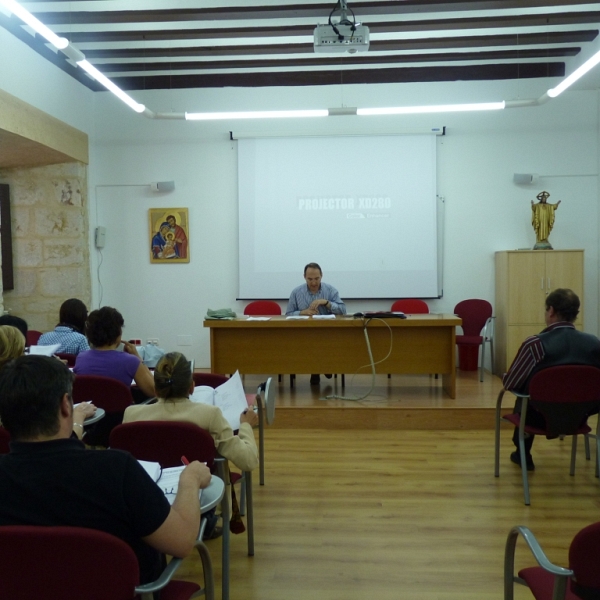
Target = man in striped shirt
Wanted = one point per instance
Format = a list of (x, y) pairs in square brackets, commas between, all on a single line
[(315, 298), (558, 344)]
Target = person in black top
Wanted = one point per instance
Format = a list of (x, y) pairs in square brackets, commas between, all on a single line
[(50, 479)]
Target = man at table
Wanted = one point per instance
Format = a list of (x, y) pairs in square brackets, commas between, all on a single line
[(315, 298), (558, 344), (48, 478)]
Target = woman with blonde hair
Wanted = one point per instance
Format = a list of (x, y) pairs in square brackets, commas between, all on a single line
[(12, 345)]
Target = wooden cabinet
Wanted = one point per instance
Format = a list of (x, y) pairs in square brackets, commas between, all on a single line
[(523, 280)]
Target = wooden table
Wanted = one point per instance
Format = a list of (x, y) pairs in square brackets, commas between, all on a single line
[(421, 344)]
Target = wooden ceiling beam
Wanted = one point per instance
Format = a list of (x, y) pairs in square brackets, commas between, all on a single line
[(346, 60), (150, 35), (295, 11), (335, 77), (562, 37)]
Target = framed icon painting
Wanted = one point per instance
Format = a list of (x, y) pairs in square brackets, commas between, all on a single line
[(169, 235)]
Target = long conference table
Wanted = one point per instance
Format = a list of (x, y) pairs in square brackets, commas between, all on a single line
[(420, 344)]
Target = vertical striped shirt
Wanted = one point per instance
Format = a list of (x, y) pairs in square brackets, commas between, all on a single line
[(530, 354), (301, 298)]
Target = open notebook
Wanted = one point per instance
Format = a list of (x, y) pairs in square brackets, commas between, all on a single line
[(166, 479), (229, 397)]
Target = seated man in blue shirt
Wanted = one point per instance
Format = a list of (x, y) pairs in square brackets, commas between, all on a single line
[(315, 298), (49, 478)]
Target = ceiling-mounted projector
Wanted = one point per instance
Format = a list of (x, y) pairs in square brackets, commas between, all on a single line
[(349, 38)]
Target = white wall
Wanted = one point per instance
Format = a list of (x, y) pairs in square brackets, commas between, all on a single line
[(28, 76), (485, 211)]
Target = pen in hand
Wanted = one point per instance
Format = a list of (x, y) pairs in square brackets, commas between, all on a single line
[(185, 461)]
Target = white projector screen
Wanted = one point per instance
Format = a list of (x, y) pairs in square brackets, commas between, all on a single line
[(363, 207)]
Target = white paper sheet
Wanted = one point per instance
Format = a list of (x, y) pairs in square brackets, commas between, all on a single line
[(44, 350), (229, 397)]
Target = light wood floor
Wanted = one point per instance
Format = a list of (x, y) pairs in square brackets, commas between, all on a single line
[(349, 515)]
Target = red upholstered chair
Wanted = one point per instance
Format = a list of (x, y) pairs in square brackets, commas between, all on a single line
[(107, 393), (100, 567), (70, 358), (476, 316), (548, 581), (32, 337), (4, 439), (166, 442), (565, 395), (262, 307), (411, 306)]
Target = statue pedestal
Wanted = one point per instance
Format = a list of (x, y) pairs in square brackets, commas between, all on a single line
[(543, 245)]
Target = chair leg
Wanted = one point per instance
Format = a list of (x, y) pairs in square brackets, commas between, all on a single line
[(207, 570), (497, 433), (492, 354), (261, 440), (226, 538), (482, 360), (524, 465), (343, 380), (247, 482), (573, 455), (587, 446)]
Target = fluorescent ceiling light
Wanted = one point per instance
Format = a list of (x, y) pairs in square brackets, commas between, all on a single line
[(407, 110), (38, 26), (110, 86), (575, 75), (259, 114)]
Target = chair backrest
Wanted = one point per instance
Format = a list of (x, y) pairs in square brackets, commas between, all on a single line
[(565, 395), (4, 439), (262, 307), (583, 560), (411, 306), (164, 442), (65, 562), (70, 358), (107, 393), (211, 379), (32, 337), (474, 314)]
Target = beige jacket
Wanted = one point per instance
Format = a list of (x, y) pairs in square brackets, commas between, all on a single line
[(240, 449)]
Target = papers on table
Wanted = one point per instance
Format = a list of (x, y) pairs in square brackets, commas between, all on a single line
[(324, 317), (166, 479), (44, 350), (152, 468), (258, 319), (229, 397), (297, 317)]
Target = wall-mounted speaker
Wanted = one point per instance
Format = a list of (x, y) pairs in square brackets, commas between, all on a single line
[(162, 186), (525, 178)]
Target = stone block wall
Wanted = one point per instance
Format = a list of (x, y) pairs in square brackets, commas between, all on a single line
[(49, 213)]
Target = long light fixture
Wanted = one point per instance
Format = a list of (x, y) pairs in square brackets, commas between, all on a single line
[(78, 57), (259, 114), (575, 75), (35, 24), (88, 67), (411, 110)]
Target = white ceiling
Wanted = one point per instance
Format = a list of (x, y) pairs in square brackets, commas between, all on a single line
[(170, 44)]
